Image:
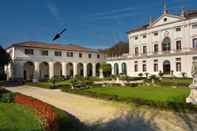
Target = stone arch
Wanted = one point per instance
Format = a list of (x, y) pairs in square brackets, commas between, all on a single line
[(98, 66), (28, 71), (69, 69), (166, 44), (116, 69), (44, 71), (57, 69), (124, 68), (89, 69), (166, 67), (80, 69)]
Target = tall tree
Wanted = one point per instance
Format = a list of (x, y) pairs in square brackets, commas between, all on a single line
[(5, 60), (118, 49)]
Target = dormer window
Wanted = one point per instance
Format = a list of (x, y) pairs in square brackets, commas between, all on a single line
[(165, 19), (178, 29)]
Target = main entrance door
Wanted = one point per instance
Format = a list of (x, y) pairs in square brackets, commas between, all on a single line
[(166, 67)]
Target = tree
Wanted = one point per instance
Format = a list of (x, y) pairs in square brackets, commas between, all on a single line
[(5, 60), (118, 49), (106, 69)]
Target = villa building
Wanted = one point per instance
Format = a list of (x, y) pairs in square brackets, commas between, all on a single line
[(40, 61), (167, 44)]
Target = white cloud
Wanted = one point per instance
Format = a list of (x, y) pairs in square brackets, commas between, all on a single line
[(54, 11)]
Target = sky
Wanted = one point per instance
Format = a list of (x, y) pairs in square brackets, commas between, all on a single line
[(89, 23)]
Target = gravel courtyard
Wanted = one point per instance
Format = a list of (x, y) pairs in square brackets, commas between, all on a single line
[(112, 115)]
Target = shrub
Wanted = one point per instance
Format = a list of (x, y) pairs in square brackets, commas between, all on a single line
[(7, 97), (140, 74), (160, 74), (183, 74)]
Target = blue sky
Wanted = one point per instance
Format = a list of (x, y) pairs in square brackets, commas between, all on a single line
[(90, 23)]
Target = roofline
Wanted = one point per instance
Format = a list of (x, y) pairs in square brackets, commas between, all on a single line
[(18, 45)]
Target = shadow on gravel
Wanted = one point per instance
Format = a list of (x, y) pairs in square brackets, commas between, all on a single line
[(126, 123)]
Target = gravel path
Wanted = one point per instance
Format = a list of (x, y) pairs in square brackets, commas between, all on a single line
[(113, 116), (87, 109)]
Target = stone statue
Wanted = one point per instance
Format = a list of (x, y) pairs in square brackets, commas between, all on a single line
[(193, 95)]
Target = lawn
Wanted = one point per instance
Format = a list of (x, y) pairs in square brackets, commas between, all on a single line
[(154, 94), (14, 117)]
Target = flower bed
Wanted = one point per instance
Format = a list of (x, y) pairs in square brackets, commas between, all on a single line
[(45, 110)]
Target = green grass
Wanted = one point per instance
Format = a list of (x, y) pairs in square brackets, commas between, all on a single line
[(14, 117), (156, 94)]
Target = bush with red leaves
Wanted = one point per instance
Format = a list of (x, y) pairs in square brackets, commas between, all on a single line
[(45, 111)]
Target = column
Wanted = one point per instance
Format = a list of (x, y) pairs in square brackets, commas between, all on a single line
[(120, 68), (36, 72), (74, 69), (51, 70), (101, 73), (94, 70), (112, 69), (64, 73), (85, 69)]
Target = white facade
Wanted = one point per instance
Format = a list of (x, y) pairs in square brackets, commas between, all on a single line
[(44, 63), (167, 45)]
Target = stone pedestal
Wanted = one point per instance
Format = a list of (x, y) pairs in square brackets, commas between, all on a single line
[(193, 95)]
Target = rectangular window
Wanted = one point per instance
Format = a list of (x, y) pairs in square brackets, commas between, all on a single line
[(178, 66), (178, 45), (195, 43), (69, 54), (194, 26), (89, 55), (178, 29), (155, 67), (136, 37), (98, 56), (144, 67), (44, 52), (136, 68), (144, 36), (156, 48), (58, 53), (80, 55), (136, 51), (155, 33), (144, 50), (29, 51)]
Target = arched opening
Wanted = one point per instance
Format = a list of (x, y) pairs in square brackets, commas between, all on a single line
[(89, 69), (166, 44), (98, 65), (124, 68), (28, 71), (80, 70), (166, 67), (44, 71), (116, 69), (69, 68), (57, 69)]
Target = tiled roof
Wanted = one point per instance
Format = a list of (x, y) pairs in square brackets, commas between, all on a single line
[(188, 14), (144, 27), (68, 47)]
